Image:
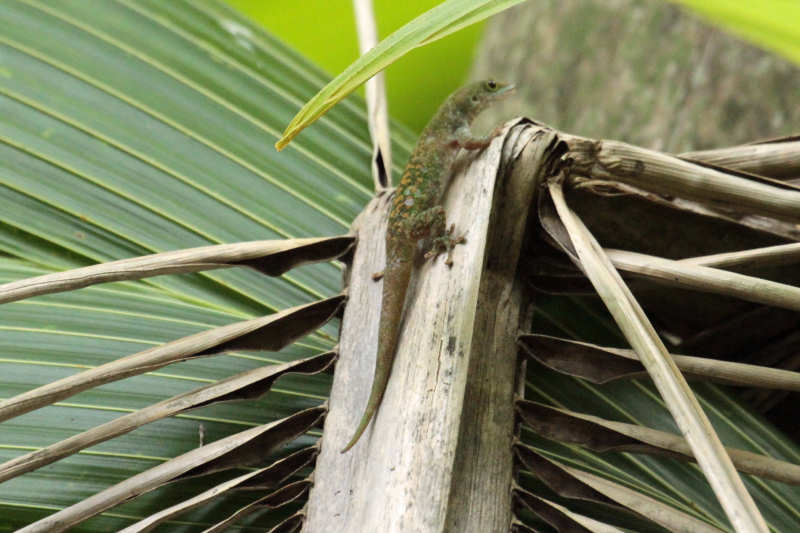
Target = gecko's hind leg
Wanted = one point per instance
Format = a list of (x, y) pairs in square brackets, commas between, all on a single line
[(445, 242), (432, 223)]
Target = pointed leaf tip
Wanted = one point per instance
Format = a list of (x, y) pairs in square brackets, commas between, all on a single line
[(442, 20)]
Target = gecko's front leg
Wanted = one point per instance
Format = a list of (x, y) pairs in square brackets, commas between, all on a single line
[(464, 138)]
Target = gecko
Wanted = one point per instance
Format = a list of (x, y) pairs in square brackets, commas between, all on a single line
[(417, 215)]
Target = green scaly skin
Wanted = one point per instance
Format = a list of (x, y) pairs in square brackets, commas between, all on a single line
[(417, 214)]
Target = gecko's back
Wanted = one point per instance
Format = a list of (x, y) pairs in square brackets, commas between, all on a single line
[(417, 213)]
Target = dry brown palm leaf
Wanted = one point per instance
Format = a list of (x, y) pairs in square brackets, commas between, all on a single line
[(607, 435), (293, 524), (776, 158), (558, 516), (665, 174), (680, 400), (702, 278), (271, 332), (241, 449), (261, 479), (270, 257), (377, 102), (601, 364), (576, 484), (273, 500), (246, 385)]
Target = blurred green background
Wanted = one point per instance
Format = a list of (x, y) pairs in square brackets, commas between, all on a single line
[(324, 30)]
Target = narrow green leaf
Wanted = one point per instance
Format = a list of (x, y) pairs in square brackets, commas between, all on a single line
[(444, 19), (773, 24)]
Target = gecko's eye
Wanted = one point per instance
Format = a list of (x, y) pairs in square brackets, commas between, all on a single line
[(491, 85)]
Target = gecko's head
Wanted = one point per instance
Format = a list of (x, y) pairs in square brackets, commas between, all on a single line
[(476, 97)]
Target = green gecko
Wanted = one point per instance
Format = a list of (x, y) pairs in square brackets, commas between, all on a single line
[(417, 214)]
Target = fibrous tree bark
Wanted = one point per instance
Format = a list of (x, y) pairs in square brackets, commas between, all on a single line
[(437, 456), (643, 72)]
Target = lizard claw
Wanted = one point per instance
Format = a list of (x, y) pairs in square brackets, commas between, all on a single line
[(446, 243)]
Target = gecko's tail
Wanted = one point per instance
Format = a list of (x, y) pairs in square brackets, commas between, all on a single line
[(375, 397), (395, 285), (379, 382)]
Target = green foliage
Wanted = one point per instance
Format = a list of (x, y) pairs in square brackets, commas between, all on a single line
[(327, 36), (132, 127), (773, 24), (136, 127), (441, 21)]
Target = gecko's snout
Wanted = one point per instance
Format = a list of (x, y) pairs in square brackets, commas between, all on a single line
[(505, 90)]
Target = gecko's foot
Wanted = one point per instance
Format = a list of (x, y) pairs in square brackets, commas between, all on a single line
[(445, 243), (377, 276)]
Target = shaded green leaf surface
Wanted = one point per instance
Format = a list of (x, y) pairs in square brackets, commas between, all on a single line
[(132, 127), (676, 483), (136, 127)]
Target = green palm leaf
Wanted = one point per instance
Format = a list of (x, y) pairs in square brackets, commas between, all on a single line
[(138, 127), (772, 24), (442, 20), (134, 127)]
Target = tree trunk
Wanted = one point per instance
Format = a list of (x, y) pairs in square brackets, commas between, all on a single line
[(437, 456), (654, 75), (651, 74), (643, 72)]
